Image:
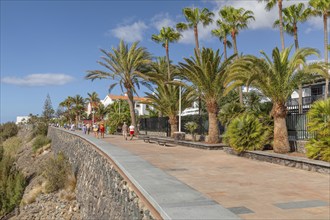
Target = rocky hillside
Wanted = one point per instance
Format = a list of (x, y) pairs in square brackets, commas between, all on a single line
[(36, 202)]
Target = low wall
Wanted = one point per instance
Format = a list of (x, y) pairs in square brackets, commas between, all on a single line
[(285, 160), (102, 190)]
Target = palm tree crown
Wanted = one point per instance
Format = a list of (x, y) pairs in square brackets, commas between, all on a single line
[(125, 65), (167, 35), (194, 17), (222, 32)]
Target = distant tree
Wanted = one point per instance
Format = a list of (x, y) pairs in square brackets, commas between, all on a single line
[(48, 111)]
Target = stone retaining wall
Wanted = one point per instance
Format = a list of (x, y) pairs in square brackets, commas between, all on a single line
[(102, 190), (285, 160)]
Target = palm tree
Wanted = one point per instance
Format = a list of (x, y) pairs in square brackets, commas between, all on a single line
[(292, 15), (271, 4), (78, 107), (195, 16), (222, 32), (101, 111), (125, 65), (322, 8), (67, 103), (94, 100), (167, 35), (208, 75), (165, 97), (236, 19), (276, 79)]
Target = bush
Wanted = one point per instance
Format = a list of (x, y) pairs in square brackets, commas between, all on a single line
[(8, 130), (39, 142), (12, 145), (246, 132), (57, 171), (191, 127), (12, 184), (230, 111), (319, 123), (319, 149), (41, 128)]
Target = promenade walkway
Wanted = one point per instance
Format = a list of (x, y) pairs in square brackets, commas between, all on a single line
[(251, 189)]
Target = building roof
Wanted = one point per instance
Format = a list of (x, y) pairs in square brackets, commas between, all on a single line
[(122, 97)]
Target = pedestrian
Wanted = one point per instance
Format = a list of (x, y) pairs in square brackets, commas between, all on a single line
[(88, 126), (84, 128), (96, 130), (102, 129), (72, 127), (124, 130), (131, 131)]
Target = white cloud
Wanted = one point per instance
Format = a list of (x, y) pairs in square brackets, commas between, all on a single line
[(162, 20), (39, 79), (129, 33)]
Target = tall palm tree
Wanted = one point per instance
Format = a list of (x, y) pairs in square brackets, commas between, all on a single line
[(167, 35), (322, 8), (276, 78), (208, 75), (292, 15), (271, 4), (125, 66), (237, 19), (222, 32), (78, 107), (94, 100), (194, 17)]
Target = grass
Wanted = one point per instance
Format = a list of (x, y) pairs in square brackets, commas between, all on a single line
[(11, 146), (39, 142)]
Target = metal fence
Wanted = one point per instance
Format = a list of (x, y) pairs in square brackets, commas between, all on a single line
[(297, 127), (162, 125)]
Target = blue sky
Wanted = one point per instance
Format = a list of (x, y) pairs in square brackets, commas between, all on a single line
[(47, 46)]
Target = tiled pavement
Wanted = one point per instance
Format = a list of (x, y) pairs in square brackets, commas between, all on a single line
[(251, 189)]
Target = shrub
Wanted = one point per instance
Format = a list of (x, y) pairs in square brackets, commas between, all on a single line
[(8, 130), (12, 184), (56, 172), (319, 149), (246, 132), (230, 111), (191, 127), (39, 142), (12, 145), (41, 128), (319, 123)]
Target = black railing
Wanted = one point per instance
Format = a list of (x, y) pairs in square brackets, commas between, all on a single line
[(297, 127), (305, 100)]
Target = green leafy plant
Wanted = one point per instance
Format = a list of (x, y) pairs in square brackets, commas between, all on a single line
[(56, 172), (247, 132), (8, 130), (12, 184), (191, 127), (319, 123), (230, 111), (39, 142), (12, 145)]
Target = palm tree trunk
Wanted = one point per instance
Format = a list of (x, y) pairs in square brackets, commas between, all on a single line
[(225, 48), (131, 106), (233, 35), (196, 41), (168, 62), (300, 101), (325, 22), (213, 134), (281, 23), (174, 124), (281, 140)]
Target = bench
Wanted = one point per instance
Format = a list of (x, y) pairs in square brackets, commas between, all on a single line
[(161, 142), (146, 139)]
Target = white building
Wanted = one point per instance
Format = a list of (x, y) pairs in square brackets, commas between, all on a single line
[(22, 119), (140, 108)]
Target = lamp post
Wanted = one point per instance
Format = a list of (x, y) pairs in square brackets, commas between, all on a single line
[(179, 105)]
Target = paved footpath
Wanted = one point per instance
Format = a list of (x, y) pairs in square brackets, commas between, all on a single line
[(251, 189)]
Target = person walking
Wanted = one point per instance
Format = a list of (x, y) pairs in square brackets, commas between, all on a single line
[(88, 127), (124, 130), (96, 130), (131, 131), (84, 128), (102, 129)]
